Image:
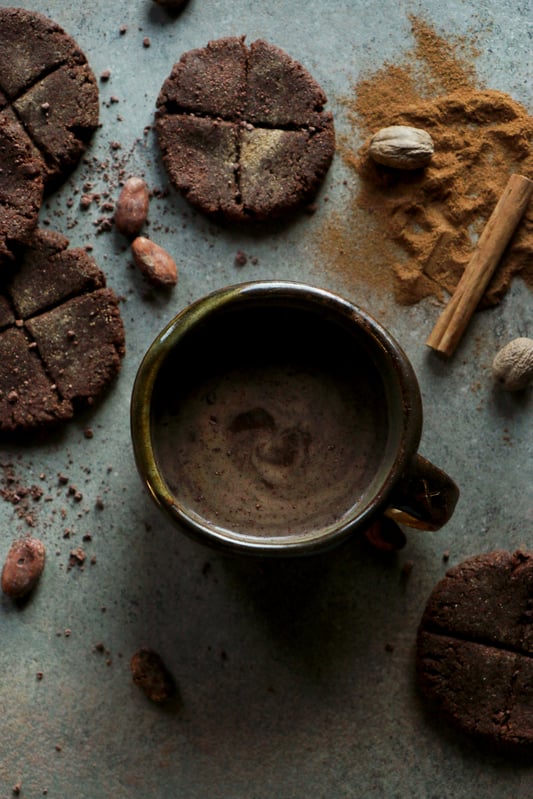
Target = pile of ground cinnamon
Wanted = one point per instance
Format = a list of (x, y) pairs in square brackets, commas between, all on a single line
[(415, 231)]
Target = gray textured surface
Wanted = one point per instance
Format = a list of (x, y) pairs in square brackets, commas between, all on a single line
[(286, 687)]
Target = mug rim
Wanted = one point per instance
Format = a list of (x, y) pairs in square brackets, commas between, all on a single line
[(260, 291)]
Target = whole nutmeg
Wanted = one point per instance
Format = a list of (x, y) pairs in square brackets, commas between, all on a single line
[(132, 207), (512, 367), (154, 262), (23, 567), (401, 147)]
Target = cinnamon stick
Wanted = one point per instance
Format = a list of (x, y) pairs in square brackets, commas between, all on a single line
[(495, 237)]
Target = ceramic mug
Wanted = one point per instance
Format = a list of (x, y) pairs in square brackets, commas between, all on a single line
[(277, 418)]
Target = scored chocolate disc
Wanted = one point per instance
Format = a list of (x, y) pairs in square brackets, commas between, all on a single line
[(49, 87), (475, 648), (21, 186), (243, 131), (61, 334), (48, 112)]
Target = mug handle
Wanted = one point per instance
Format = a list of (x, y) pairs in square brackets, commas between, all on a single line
[(425, 496)]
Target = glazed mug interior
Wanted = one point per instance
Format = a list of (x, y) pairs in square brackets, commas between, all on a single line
[(276, 418)]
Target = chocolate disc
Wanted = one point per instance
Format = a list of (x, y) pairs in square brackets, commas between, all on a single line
[(61, 334), (475, 648), (242, 130), (48, 112), (50, 87), (21, 185)]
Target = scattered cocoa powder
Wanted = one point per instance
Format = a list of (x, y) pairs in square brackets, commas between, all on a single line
[(21, 496), (413, 233)]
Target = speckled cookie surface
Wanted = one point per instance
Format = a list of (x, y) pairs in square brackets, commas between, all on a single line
[(61, 334), (243, 131), (475, 648), (48, 111), (21, 186)]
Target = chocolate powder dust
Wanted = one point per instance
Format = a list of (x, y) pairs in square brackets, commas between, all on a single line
[(414, 232)]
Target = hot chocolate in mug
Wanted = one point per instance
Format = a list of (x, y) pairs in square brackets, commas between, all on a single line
[(277, 418)]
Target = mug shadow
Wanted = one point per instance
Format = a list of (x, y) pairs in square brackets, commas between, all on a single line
[(311, 610), (270, 646), (314, 609)]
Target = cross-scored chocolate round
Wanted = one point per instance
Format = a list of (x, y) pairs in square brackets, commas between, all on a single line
[(243, 131), (61, 334), (48, 112), (21, 186), (475, 648)]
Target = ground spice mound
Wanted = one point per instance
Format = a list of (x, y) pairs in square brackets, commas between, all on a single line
[(415, 231)]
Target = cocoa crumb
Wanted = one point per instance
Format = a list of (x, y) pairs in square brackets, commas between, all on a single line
[(77, 558), (85, 201), (105, 75), (240, 258), (103, 224)]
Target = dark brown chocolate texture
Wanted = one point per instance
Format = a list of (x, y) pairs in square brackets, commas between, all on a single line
[(47, 81), (475, 648), (243, 131), (48, 112), (61, 334), (21, 185)]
